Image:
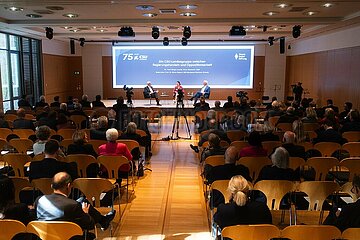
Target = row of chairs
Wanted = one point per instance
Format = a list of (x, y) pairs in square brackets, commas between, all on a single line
[(298, 232)]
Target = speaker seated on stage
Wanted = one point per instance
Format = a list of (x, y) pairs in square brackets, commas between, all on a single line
[(150, 92), (204, 91)]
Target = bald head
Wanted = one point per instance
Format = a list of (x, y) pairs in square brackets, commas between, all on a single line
[(289, 137), (231, 155), (61, 181)]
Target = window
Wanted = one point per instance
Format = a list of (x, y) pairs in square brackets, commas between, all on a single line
[(20, 68)]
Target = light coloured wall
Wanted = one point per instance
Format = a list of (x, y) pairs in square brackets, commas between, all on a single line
[(60, 48)]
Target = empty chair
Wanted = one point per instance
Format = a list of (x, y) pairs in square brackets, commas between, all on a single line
[(96, 143), (21, 145), (9, 228), (17, 162), (273, 120), (353, 148), (43, 184), (78, 120), (351, 234), (215, 160), (23, 133), (255, 164), (346, 188), (306, 232), (82, 161), (296, 162), (54, 230), (306, 145), (310, 126), (284, 127), (322, 165), (251, 232), (4, 132), (353, 165), (66, 133), (352, 136), (327, 148), (19, 184)]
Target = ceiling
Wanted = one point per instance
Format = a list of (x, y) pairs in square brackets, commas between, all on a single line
[(100, 20)]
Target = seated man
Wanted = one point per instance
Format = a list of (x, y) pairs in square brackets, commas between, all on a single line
[(100, 132), (150, 92), (289, 145), (21, 122), (58, 207), (98, 103), (329, 134), (214, 147), (204, 91)]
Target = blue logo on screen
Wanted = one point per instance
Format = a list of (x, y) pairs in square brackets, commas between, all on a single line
[(134, 57)]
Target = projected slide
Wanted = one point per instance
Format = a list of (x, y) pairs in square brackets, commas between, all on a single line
[(222, 66)]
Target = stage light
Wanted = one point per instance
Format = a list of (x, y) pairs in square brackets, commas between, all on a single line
[(82, 42), (126, 32), (187, 32), (271, 41), (296, 32), (166, 41), (49, 32), (237, 31), (155, 33), (184, 41)]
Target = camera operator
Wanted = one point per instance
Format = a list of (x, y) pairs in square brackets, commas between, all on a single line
[(129, 93), (298, 91)]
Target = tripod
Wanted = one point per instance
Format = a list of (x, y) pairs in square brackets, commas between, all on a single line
[(179, 111)]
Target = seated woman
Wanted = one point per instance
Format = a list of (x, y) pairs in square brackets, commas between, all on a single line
[(240, 210), (255, 149), (80, 146), (130, 133), (42, 134)]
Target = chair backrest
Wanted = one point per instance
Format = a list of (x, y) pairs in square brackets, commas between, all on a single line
[(317, 192), (239, 144), (351, 234), (322, 165), (327, 148), (274, 191), (78, 119), (306, 145), (221, 186), (43, 184), (295, 162), (4, 132), (273, 121), (21, 145), (352, 136), (236, 135), (310, 126), (10, 117), (270, 145), (17, 162), (93, 187), (9, 228), (346, 188), (353, 165), (215, 160), (54, 230), (251, 232), (101, 111), (306, 232), (131, 144), (65, 143), (142, 133), (201, 114), (96, 143), (66, 133), (284, 127), (255, 164), (353, 148), (113, 163), (23, 133), (82, 161)]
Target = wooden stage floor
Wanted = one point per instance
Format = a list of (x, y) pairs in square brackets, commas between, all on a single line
[(165, 103)]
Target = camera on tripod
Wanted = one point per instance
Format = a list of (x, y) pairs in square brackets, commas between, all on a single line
[(180, 95), (242, 95), (129, 93)]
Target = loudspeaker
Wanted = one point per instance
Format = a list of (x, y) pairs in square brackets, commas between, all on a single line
[(282, 45), (72, 46)]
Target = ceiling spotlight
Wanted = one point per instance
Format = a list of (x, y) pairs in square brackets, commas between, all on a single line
[(271, 41), (187, 32), (82, 41), (237, 31), (155, 33), (296, 32), (126, 32), (166, 41), (184, 41), (49, 33)]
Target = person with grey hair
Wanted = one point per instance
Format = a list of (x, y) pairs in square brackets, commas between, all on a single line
[(217, 106), (41, 103), (288, 117), (203, 92), (289, 141), (130, 133), (85, 103), (100, 132), (213, 148), (279, 170)]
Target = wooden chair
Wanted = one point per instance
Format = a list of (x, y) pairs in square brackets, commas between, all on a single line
[(38, 157), (21, 145), (82, 162), (353, 165), (236, 135), (262, 114), (215, 160), (306, 232), (78, 120), (351, 234), (23, 133), (142, 133), (29, 116), (20, 183), (284, 127), (353, 148), (270, 145), (346, 188), (43, 184), (295, 162), (273, 121), (310, 126), (96, 143), (251, 232), (10, 117), (327, 148), (66, 133), (131, 144), (4, 132), (66, 142), (221, 186), (17, 162), (306, 145), (54, 230), (239, 144), (322, 165), (201, 114), (253, 115), (255, 164), (9, 228), (352, 136), (101, 111)]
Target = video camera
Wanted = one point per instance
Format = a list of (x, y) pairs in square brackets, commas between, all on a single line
[(129, 93), (242, 95), (180, 95)]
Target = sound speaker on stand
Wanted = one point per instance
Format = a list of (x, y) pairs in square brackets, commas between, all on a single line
[(72, 46), (282, 45)]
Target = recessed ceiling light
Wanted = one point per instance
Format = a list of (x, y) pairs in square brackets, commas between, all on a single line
[(328, 5), (275, 29), (66, 27), (251, 26), (31, 15), (101, 30), (188, 14), (310, 13), (149, 14), (43, 11), (282, 5), (14, 9), (188, 7), (71, 15), (55, 8), (144, 7), (271, 13), (74, 30)]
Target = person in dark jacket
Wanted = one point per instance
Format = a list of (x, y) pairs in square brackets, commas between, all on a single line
[(21, 122), (329, 134), (100, 132), (98, 102), (289, 140)]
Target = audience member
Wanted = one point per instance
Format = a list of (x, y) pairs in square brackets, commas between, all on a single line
[(64, 123), (56, 102), (98, 103), (41, 103), (274, 110), (354, 122), (130, 133), (329, 134), (213, 148), (217, 106), (43, 135), (330, 104), (48, 119), (289, 141), (241, 210), (24, 102), (202, 105), (122, 113), (70, 103), (203, 92), (3, 122), (85, 102), (100, 132), (288, 117), (343, 116), (142, 124), (229, 104), (212, 124), (21, 122), (255, 149), (311, 116)]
